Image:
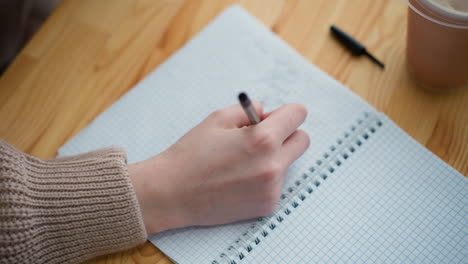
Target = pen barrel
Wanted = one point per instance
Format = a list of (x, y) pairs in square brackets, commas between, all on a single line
[(249, 109), (252, 114), (353, 45)]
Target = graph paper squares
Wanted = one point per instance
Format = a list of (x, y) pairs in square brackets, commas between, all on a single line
[(393, 202), (356, 211)]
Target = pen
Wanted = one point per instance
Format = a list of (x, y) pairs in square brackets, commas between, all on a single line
[(249, 108), (353, 45)]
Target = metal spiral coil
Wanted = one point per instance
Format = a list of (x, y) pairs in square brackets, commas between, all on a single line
[(303, 187)]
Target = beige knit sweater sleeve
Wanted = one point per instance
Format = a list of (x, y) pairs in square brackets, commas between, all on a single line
[(66, 210)]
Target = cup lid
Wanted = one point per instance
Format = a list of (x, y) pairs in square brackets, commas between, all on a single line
[(440, 14)]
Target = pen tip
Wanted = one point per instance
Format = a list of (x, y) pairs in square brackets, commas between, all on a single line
[(242, 96), (375, 60), (244, 99)]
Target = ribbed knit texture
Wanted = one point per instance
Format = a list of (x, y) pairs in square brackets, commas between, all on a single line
[(66, 210)]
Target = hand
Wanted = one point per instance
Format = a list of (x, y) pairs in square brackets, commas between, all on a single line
[(223, 170)]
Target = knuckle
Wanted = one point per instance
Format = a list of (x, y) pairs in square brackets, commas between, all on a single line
[(270, 174), (267, 177), (263, 141)]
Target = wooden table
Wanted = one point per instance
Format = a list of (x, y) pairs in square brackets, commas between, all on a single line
[(89, 53)]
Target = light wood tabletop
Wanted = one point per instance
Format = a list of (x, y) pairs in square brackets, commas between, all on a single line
[(89, 53)]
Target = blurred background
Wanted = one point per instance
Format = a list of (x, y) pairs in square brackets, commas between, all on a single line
[(19, 20)]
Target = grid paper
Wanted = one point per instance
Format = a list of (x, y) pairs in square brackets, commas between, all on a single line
[(392, 202), (307, 184), (233, 53)]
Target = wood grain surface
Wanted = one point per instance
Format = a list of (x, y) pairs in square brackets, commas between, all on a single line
[(89, 53)]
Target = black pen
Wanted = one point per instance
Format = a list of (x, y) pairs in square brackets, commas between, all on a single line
[(249, 108), (353, 45)]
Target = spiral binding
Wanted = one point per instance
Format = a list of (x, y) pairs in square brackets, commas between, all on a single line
[(302, 188)]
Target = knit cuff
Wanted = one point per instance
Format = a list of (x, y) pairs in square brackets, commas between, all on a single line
[(67, 210)]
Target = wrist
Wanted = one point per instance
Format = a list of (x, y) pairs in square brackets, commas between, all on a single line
[(152, 185)]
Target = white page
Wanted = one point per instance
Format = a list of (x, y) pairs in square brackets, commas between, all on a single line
[(233, 53), (392, 201)]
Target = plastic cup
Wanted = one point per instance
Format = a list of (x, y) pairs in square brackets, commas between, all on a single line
[(437, 43)]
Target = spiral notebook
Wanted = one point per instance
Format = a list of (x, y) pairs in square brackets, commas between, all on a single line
[(364, 191)]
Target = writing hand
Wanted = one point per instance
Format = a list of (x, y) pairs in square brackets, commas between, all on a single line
[(223, 170)]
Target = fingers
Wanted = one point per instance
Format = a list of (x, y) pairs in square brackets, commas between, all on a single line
[(284, 121), (294, 146), (234, 116), (265, 115)]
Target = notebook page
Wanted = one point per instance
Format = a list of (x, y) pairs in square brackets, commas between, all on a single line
[(233, 53), (391, 201)]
